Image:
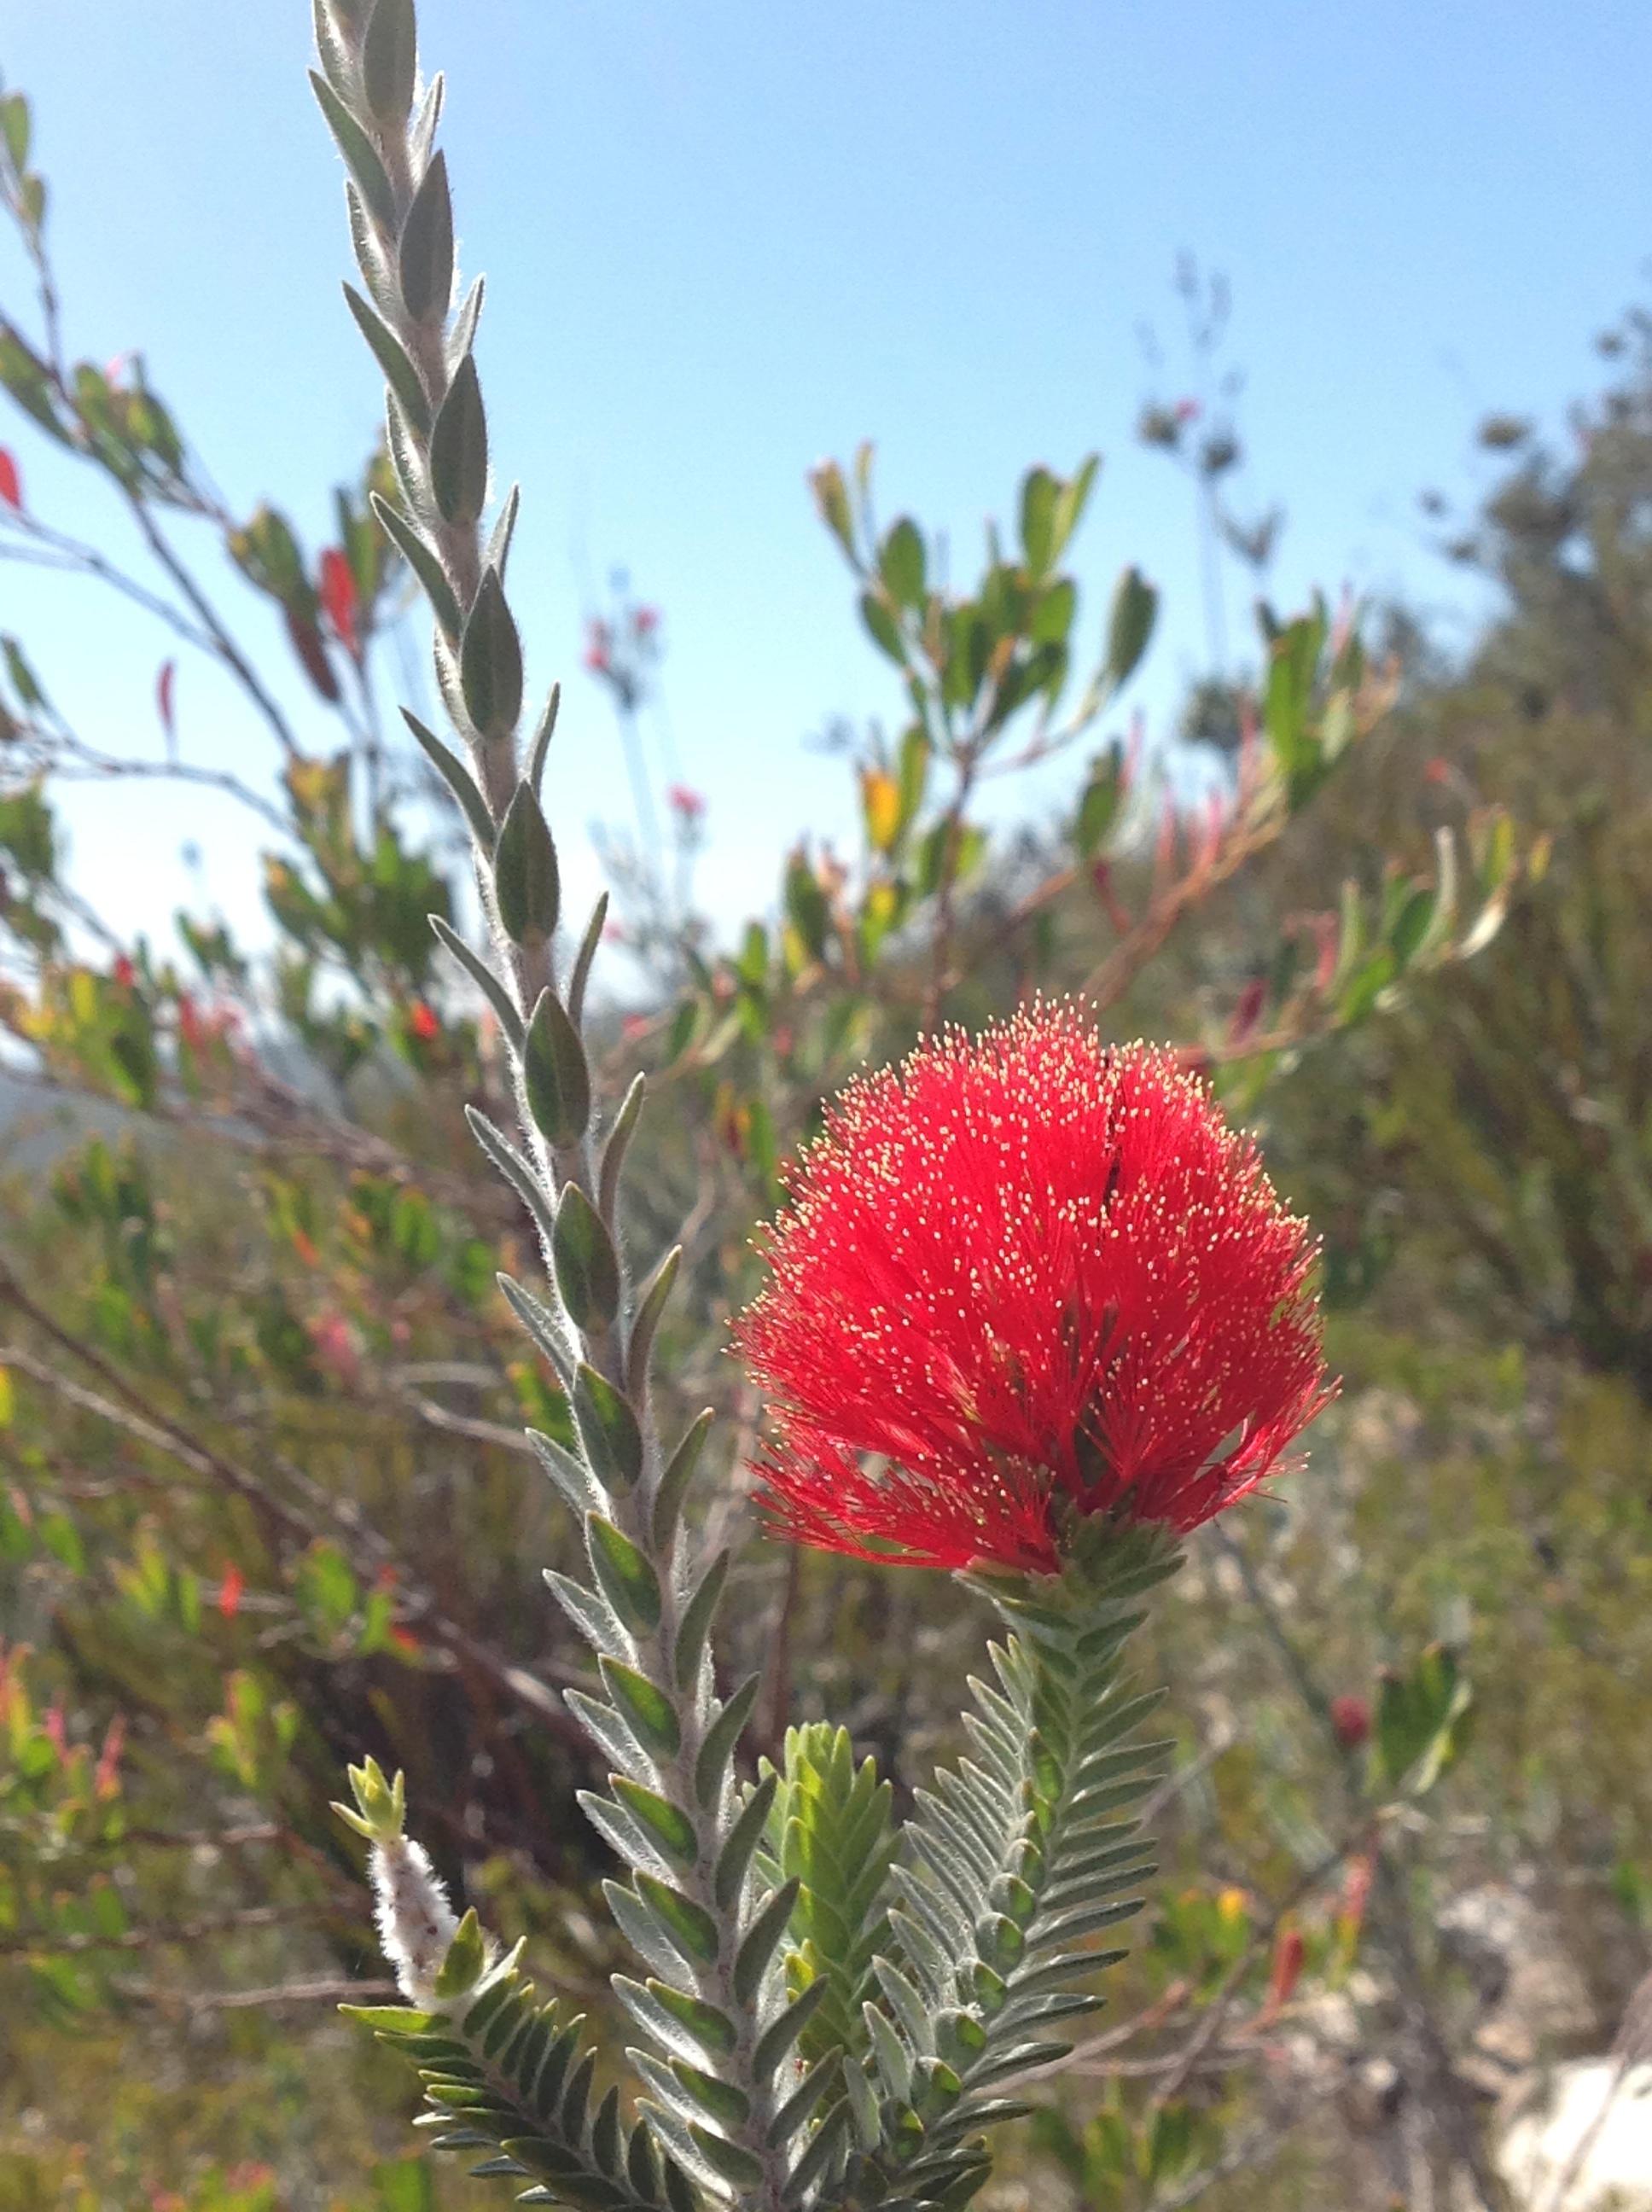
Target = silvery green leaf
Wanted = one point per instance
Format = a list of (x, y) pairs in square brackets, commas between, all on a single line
[(458, 449), (422, 136), (1023, 2012), (585, 1263), (360, 157), (425, 259), (894, 2060), (393, 359), (1072, 1927), (907, 2004), (644, 1934), (422, 561), (667, 1826), (674, 1482), (369, 252), (696, 1623), (543, 1326), (735, 1857), (595, 1620), (626, 1837), (474, 807), (820, 2152), (614, 1151), (390, 63), (650, 1307), (778, 2038), (758, 1946), (950, 1844), (490, 659), (672, 2130), (609, 1430), (586, 953), (648, 1712), (717, 1751), (993, 1747), (802, 2100), (606, 1728), (498, 546), (462, 337), (511, 1165), (624, 1574), (925, 1954), (937, 1909), (1017, 2057), (863, 2104)]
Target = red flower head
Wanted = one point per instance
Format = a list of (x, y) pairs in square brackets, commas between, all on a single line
[(1024, 1278)]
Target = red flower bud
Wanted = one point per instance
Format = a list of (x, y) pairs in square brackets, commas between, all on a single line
[(1351, 1717), (339, 597), (1288, 1955), (105, 1781)]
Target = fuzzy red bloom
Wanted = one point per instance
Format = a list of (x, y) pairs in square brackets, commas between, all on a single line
[(1025, 1277)]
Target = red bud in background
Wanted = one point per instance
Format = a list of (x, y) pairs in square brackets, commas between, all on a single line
[(341, 600), (1248, 1011), (106, 1782), (229, 1591), (1351, 1717), (11, 484), (1288, 1955)]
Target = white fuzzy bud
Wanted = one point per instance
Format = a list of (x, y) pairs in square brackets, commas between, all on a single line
[(415, 1921)]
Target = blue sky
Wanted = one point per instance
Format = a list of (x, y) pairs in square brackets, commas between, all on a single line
[(722, 240)]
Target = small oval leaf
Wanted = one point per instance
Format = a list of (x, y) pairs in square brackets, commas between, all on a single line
[(555, 1076), (490, 659), (582, 1254), (527, 883), (628, 1581), (458, 449), (613, 1441)]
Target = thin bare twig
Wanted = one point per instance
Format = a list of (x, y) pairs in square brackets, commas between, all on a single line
[(180, 1931), (334, 1990)]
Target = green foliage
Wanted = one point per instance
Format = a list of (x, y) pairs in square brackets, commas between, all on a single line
[(831, 1826), (264, 1498)]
